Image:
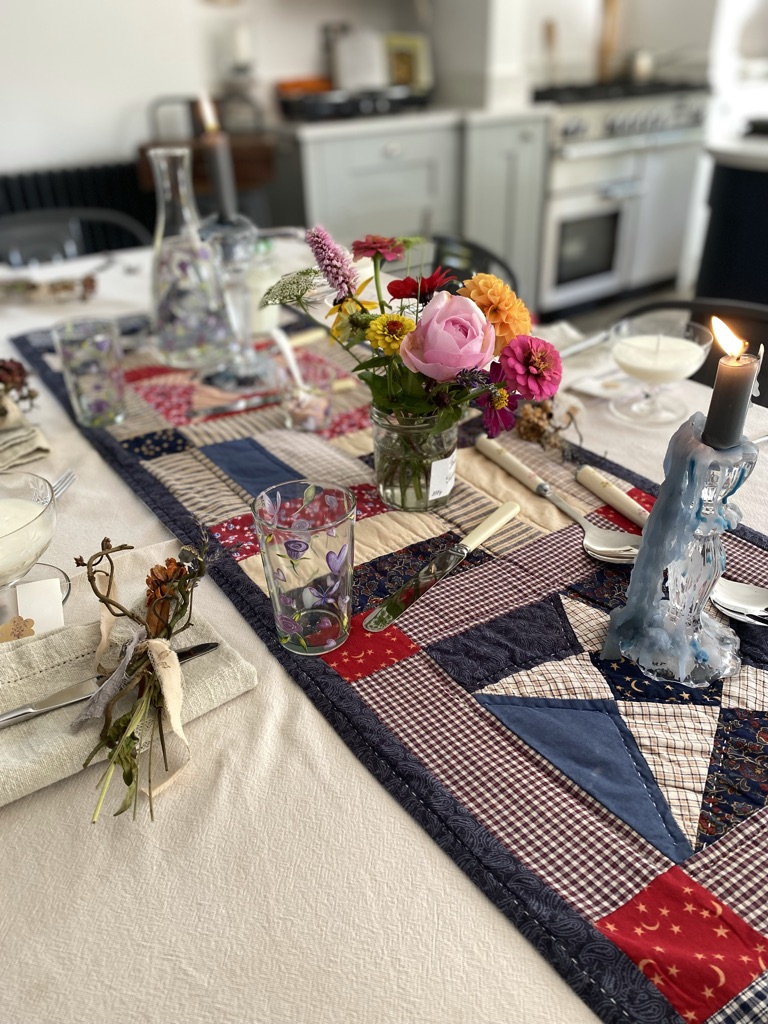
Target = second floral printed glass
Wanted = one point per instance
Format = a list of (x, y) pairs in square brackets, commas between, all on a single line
[(306, 536), (92, 360)]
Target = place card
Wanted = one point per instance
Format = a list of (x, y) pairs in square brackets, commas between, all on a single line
[(41, 601)]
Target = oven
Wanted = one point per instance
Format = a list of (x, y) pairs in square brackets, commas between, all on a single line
[(618, 191), (590, 229)]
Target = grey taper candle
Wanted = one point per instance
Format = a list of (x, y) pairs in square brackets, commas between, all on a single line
[(730, 401)]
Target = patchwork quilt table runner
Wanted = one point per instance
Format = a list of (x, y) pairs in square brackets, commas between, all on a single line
[(619, 823)]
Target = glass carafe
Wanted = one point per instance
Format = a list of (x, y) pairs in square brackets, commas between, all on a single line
[(191, 319)]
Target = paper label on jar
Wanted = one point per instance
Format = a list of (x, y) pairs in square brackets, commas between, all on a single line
[(442, 477)]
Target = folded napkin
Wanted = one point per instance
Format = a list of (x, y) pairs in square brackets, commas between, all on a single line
[(20, 442), (42, 750), (591, 371)]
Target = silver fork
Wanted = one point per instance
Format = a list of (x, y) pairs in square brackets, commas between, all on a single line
[(63, 483)]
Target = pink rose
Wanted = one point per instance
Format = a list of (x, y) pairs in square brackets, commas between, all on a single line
[(451, 335)]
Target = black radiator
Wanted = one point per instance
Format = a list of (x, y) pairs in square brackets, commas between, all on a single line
[(114, 186)]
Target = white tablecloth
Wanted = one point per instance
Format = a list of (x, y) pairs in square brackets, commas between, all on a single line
[(280, 882)]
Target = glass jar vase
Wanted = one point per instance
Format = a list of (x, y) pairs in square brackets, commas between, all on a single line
[(191, 320), (414, 462)]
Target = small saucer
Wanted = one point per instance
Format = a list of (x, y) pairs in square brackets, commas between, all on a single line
[(44, 571)]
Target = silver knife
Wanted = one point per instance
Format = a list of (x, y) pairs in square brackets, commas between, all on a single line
[(445, 561), (80, 691)]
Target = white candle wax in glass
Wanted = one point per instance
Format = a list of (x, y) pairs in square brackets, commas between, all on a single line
[(656, 349), (27, 521), (658, 359)]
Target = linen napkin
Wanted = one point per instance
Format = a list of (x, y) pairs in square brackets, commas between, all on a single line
[(591, 371), (42, 750), (20, 442)]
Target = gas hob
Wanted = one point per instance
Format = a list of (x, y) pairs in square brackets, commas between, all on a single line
[(589, 113)]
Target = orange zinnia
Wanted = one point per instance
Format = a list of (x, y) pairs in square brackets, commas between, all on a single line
[(501, 307)]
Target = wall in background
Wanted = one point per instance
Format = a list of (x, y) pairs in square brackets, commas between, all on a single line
[(77, 76)]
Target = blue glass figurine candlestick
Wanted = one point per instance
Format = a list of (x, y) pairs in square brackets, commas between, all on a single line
[(673, 638)]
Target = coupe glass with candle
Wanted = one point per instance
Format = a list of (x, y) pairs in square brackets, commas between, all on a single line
[(657, 349), (27, 521)]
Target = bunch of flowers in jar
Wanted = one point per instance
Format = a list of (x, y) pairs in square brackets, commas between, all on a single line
[(426, 354)]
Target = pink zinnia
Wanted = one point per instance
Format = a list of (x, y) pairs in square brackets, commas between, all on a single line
[(532, 366), (388, 248), (333, 262)]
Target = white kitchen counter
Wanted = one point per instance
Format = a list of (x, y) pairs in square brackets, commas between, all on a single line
[(418, 120), (361, 127), (747, 154)]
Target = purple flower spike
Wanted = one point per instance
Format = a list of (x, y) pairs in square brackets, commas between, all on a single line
[(333, 261), (295, 548), (336, 562)]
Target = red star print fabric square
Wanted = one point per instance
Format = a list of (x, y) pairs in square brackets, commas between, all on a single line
[(646, 500), (238, 536), (696, 950), (364, 652)]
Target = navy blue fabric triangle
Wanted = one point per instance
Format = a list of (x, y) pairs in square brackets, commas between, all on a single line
[(590, 743)]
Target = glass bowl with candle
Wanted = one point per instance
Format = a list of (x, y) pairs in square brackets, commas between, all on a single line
[(27, 521), (658, 350)]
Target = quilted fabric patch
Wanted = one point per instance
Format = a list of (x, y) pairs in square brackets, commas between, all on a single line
[(589, 741), (694, 948), (737, 785), (520, 639)]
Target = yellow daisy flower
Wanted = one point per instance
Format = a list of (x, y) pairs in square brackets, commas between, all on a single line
[(388, 330), (341, 328), (500, 305)]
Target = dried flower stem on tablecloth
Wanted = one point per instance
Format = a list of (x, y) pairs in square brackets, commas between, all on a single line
[(149, 670), (14, 385)]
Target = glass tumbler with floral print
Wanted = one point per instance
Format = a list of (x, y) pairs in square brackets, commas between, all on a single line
[(306, 536), (92, 361)]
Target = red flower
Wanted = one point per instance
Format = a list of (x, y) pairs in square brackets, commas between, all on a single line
[(424, 288), (498, 405), (388, 248), (533, 366)]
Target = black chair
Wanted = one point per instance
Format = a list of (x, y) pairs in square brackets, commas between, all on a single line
[(45, 235), (467, 258), (749, 320)]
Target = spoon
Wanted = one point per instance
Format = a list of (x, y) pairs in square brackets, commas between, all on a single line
[(752, 620), (745, 598), (602, 544)]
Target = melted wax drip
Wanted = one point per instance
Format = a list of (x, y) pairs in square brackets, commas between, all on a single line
[(673, 639)]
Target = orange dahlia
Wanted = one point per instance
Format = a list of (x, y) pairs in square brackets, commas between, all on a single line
[(501, 307)]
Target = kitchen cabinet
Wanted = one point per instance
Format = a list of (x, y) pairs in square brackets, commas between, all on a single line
[(397, 175), (505, 168), (667, 180)]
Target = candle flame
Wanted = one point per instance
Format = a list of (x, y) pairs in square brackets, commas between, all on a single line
[(208, 114), (731, 343)]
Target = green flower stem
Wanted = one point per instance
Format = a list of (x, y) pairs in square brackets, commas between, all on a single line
[(377, 281), (305, 309), (105, 786)]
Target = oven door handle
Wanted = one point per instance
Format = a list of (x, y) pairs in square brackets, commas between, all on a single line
[(618, 192)]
